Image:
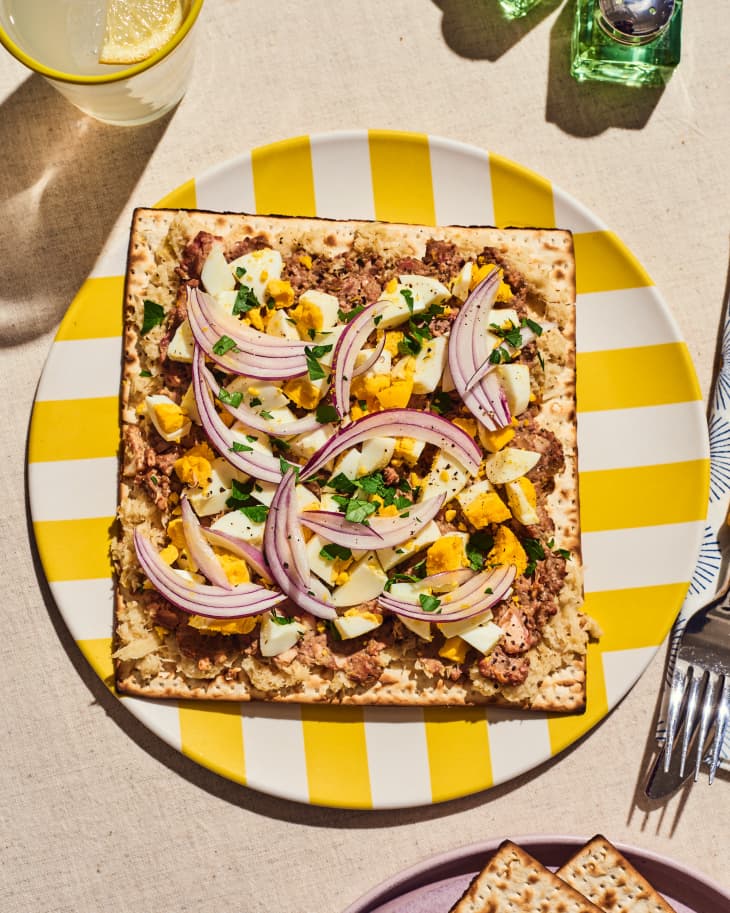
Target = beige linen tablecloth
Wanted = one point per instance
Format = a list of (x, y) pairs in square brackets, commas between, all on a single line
[(97, 814)]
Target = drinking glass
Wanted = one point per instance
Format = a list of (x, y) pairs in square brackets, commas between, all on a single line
[(60, 39)]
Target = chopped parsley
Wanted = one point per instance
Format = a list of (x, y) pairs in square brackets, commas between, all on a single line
[(254, 401), (477, 549), (245, 301), (408, 297), (145, 374), (256, 513), (346, 316), (399, 578), (281, 619), (429, 603), (240, 493), (285, 466), (312, 354), (230, 399), (266, 414), (240, 272), (154, 314), (331, 551), (342, 484), (358, 511), (325, 413), (224, 344), (535, 552), (441, 403), (499, 356), (238, 447)]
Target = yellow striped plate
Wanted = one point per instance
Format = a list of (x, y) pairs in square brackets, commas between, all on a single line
[(643, 476)]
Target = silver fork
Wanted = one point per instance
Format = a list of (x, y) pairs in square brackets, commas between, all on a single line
[(699, 699)]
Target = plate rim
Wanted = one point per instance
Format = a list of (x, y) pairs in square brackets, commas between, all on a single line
[(115, 256), (415, 876)]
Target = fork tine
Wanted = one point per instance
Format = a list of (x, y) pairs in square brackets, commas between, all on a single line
[(723, 714), (708, 707), (676, 696), (690, 718)]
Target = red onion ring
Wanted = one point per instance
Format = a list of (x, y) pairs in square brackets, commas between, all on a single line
[(260, 465), (382, 532), (425, 426), (371, 359), (199, 549), (499, 581), (347, 349), (468, 353), (199, 599), (252, 419), (249, 359), (445, 579), (239, 547), (281, 562)]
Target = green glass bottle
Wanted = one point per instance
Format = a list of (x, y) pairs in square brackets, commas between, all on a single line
[(634, 42), (514, 9)]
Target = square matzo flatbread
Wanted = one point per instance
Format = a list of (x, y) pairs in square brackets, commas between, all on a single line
[(257, 308)]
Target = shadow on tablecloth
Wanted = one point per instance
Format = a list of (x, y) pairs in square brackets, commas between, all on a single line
[(64, 179)]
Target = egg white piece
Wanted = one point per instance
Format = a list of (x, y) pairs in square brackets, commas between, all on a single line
[(182, 344), (212, 498), (390, 557), (260, 267), (472, 492), (509, 464), (515, 381), (327, 304), (275, 638), (216, 274), (447, 476), (484, 637), (429, 365), (366, 581), (238, 524), (349, 626), (152, 403)]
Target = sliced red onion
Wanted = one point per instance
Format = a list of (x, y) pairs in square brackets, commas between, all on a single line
[(335, 528), (297, 545), (251, 339), (281, 562), (254, 463), (199, 549), (200, 599), (249, 359), (347, 349), (447, 580), (252, 419), (468, 352), (251, 555), (382, 532), (499, 581), (424, 426), (371, 359)]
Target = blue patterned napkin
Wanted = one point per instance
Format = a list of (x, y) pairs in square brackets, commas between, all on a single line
[(712, 566)]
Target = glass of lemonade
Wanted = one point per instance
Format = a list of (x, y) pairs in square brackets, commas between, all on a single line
[(61, 40)]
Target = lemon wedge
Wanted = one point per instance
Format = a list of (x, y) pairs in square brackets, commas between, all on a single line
[(135, 29)]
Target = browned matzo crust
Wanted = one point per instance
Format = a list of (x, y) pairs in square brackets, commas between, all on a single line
[(152, 658)]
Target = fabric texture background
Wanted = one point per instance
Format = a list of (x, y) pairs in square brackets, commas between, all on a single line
[(97, 813)]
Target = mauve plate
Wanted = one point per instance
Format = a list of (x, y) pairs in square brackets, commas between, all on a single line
[(434, 885)]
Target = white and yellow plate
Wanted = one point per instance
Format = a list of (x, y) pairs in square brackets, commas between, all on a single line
[(643, 458)]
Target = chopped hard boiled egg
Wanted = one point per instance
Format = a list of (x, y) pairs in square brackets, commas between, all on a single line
[(182, 344), (420, 293), (514, 379), (211, 494), (238, 524), (448, 554), (454, 649), (327, 305), (522, 499), (257, 269), (486, 508), (276, 637), (366, 581), (216, 274), (483, 637), (461, 285), (279, 324), (355, 624), (169, 420), (390, 557), (429, 365), (509, 463), (447, 476)]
